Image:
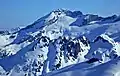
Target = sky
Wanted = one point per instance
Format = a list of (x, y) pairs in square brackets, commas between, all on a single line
[(14, 13)]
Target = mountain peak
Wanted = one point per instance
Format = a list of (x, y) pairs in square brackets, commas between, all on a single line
[(59, 10), (68, 12), (58, 40)]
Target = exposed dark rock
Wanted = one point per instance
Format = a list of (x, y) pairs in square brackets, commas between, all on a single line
[(92, 60)]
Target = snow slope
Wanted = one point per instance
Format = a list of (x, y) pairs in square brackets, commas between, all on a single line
[(110, 68), (63, 43)]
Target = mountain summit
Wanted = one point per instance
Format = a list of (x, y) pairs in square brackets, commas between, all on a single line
[(62, 43)]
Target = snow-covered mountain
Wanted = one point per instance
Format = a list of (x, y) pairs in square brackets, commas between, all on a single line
[(62, 43)]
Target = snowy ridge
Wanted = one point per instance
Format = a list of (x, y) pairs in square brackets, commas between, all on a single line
[(110, 68), (62, 43)]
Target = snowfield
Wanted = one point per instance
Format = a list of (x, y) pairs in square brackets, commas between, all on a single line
[(62, 43)]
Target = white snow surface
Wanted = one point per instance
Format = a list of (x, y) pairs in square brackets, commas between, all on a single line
[(61, 44)]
